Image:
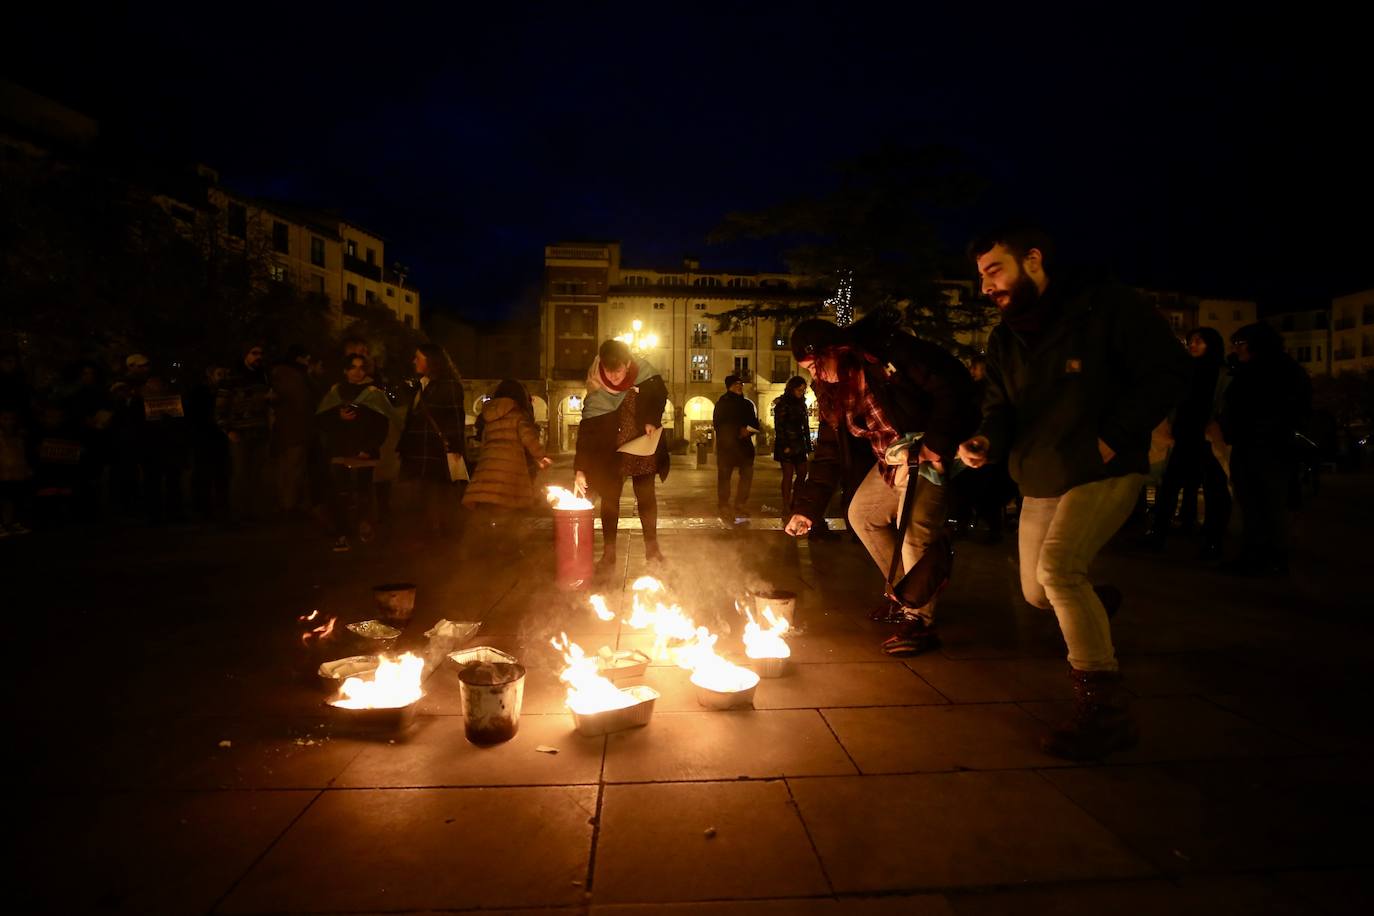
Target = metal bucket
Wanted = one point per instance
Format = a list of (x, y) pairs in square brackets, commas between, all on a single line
[(573, 534), (491, 695), (782, 603)]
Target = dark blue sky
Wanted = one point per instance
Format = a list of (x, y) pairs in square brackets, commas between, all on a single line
[(1216, 156)]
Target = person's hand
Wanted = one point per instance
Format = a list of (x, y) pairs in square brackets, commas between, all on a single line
[(233, 436), (929, 457), (348, 413), (545, 462), (1105, 451), (974, 452), (744, 432), (649, 429), (579, 484), (798, 525)]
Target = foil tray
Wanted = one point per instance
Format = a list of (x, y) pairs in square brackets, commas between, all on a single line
[(334, 673), (769, 667), (383, 722), (623, 665), (726, 699), (481, 654), (593, 724)]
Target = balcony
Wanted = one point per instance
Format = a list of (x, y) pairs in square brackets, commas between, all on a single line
[(741, 343), (362, 268), (1343, 353)]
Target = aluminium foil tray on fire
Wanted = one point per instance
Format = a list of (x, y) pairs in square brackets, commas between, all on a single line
[(590, 725)]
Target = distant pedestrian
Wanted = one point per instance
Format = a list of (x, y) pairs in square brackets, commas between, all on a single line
[(792, 438), (1078, 373), (625, 400), (1266, 403), (243, 411), (209, 449), (435, 429), (735, 421)]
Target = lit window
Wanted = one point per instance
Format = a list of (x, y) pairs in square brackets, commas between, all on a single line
[(277, 272)]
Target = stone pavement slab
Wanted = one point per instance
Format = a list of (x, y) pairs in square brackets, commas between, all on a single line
[(896, 905), (994, 680), (1229, 815), (726, 744), (703, 841), (911, 739), (1319, 724), (945, 830), (156, 852), (811, 686), (1331, 891), (1252, 895), (418, 849), (441, 755)]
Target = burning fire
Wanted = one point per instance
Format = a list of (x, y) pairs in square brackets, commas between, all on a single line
[(560, 498), (588, 691), (395, 683), (694, 647), (769, 643), (324, 631)]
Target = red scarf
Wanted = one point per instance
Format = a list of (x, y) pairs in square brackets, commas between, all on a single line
[(626, 385)]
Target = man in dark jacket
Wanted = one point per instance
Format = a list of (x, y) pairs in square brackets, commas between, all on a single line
[(879, 384), (243, 411), (735, 421), (1077, 377), (293, 427)]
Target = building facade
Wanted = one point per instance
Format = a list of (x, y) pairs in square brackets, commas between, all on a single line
[(667, 314), (1306, 338), (1352, 332)]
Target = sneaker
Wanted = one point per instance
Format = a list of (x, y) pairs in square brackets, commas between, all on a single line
[(915, 637), (341, 545), (889, 611)]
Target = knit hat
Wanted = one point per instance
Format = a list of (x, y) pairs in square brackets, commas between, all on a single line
[(812, 336)]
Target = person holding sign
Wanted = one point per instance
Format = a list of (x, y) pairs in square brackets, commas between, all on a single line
[(621, 436)]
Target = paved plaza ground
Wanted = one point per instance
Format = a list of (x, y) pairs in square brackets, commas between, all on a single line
[(171, 757)]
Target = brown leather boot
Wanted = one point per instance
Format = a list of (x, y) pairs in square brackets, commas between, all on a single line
[(1101, 721)]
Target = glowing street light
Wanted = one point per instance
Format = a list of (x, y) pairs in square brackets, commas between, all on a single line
[(638, 341)]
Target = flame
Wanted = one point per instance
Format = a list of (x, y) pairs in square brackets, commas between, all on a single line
[(565, 499), (312, 615), (396, 682), (588, 691), (677, 635), (599, 605), (319, 633), (769, 643)]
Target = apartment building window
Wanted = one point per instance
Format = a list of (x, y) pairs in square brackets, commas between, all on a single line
[(371, 256), (277, 272), (672, 281), (782, 367), (706, 281), (1176, 321), (701, 367), (700, 306), (407, 297), (1367, 315), (1319, 354), (410, 321), (569, 287), (352, 249), (369, 297), (1211, 316), (317, 251), (742, 367), (281, 237), (701, 335), (660, 305), (390, 293), (1235, 316), (238, 221), (351, 294), (741, 342), (636, 281), (738, 282), (319, 284)]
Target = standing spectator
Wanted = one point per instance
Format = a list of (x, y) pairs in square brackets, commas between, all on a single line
[(435, 428), (125, 422), (510, 441), (353, 417), (1266, 403), (1191, 462), (16, 474), (293, 427), (242, 410), (890, 390), (625, 400), (88, 404), (792, 438), (735, 421), (162, 449), (209, 449), (1078, 375)]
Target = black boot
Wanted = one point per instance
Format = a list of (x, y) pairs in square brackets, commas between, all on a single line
[(1101, 721)]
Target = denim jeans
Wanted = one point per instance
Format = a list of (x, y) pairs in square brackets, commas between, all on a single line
[(873, 514), (1059, 537)]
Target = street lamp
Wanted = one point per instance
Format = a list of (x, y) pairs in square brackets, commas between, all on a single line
[(639, 342)]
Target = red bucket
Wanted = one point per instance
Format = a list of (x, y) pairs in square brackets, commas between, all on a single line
[(573, 535)]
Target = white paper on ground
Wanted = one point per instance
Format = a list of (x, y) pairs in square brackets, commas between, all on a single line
[(646, 444)]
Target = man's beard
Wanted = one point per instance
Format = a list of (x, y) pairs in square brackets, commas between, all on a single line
[(1022, 296)]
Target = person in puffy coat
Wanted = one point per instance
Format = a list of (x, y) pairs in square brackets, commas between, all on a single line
[(503, 478)]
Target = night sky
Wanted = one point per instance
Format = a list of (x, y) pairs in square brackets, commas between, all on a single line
[(1217, 157)]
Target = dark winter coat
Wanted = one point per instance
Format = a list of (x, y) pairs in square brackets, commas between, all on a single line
[(1107, 368), (920, 387), (422, 449), (502, 476), (293, 409), (242, 403), (596, 455), (791, 430), (733, 413), (364, 434)]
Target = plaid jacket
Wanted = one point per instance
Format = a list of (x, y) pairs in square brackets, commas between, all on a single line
[(422, 450)]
